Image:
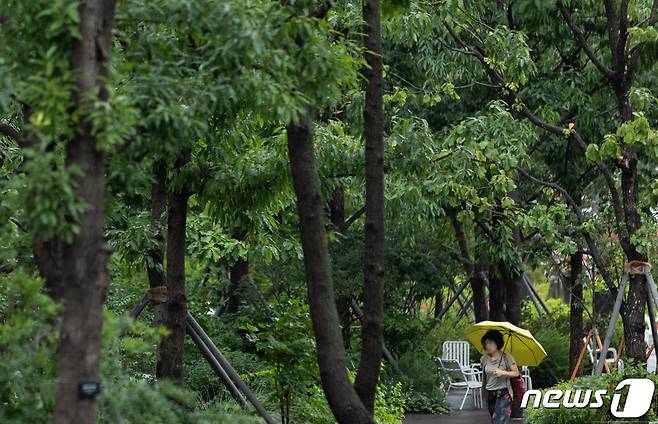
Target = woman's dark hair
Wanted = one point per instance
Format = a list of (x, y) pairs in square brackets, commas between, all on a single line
[(494, 336)]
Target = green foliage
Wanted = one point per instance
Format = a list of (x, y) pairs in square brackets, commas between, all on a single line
[(589, 415), (28, 323), (27, 363), (553, 334)]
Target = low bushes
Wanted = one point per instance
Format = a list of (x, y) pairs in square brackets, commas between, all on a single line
[(586, 415)]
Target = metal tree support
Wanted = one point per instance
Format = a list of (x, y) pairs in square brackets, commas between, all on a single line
[(534, 296), (231, 379), (631, 268), (216, 366), (385, 352), (234, 376), (452, 299)]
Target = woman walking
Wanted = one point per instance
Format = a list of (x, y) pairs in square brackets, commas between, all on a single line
[(497, 370)]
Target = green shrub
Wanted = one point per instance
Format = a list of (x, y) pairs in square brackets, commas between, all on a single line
[(28, 359), (587, 415), (553, 334)]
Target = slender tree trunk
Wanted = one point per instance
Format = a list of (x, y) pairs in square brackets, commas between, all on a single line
[(575, 286), (478, 284), (438, 302), (372, 334), (85, 275), (473, 272), (239, 275), (341, 395), (155, 255), (496, 295), (170, 349), (343, 301)]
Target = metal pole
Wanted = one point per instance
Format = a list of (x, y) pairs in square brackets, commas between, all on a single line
[(235, 377), (385, 352), (452, 300), (467, 308), (652, 323), (215, 365), (532, 296), (652, 285), (611, 326), (651, 305), (534, 292), (137, 310)]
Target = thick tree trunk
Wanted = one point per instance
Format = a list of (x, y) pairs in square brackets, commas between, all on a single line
[(575, 286), (633, 308), (155, 255), (239, 275), (170, 349), (514, 290), (84, 260), (372, 334), (341, 395)]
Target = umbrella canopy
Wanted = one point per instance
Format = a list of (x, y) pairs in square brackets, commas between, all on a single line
[(525, 349)]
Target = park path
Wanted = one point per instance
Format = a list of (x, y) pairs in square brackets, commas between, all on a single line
[(480, 416)]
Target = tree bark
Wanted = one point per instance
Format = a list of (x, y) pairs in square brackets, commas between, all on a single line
[(84, 260), (341, 395), (170, 349), (513, 294), (155, 255), (496, 295), (575, 286), (372, 334), (473, 271), (238, 274), (343, 300), (478, 285)]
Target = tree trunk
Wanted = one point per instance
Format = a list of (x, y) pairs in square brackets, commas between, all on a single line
[(514, 290), (170, 349), (343, 300), (239, 274), (478, 284), (84, 260), (633, 309), (341, 395), (496, 295), (575, 286), (438, 302), (473, 271), (372, 334), (155, 255)]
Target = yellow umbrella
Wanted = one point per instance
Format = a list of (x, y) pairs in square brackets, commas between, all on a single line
[(525, 349)]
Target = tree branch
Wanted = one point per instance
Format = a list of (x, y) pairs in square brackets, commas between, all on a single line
[(554, 129), (580, 36), (594, 253)]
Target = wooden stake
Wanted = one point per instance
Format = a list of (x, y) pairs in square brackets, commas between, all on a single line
[(581, 355)]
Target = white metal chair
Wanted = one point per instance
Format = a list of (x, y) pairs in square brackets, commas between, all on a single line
[(463, 378), (525, 375), (457, 350)]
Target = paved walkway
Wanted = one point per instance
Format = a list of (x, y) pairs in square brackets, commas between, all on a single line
[(457, 417)]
